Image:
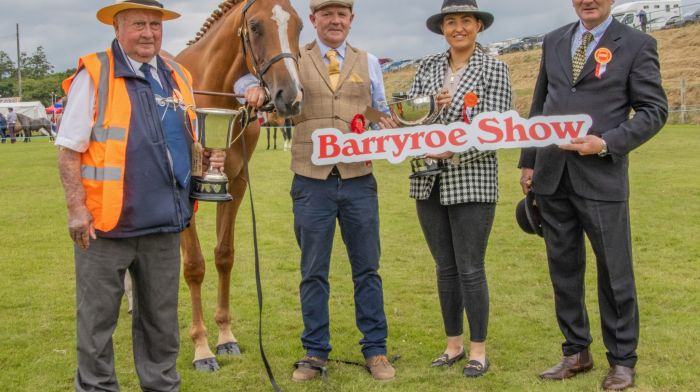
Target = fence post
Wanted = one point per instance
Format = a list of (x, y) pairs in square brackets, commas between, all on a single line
[(684, 111)]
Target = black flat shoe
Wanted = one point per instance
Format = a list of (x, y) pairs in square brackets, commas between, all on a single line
[(445, 361), (475, 368)]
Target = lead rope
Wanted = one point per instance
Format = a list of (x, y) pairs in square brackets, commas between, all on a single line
[(244, 123)]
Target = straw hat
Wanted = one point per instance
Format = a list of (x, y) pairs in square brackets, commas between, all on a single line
[(106, 14)]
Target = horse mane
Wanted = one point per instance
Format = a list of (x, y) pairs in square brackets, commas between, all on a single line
[(217, 14)]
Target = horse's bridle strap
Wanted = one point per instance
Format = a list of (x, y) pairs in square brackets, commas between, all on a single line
[(247, 48)]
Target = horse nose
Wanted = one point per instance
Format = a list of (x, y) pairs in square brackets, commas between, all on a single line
[(288, 101)]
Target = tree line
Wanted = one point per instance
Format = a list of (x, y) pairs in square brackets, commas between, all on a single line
[(39, 80)]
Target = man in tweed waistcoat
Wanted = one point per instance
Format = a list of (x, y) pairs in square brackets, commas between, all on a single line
[(339, 81)]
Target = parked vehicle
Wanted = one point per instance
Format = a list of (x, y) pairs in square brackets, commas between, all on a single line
[(515, 47), (691, 17), (674, 21), (657, 23), (534, 41), (627, 13)]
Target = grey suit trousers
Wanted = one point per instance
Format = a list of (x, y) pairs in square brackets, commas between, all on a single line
[(566, 216), (154, 264)]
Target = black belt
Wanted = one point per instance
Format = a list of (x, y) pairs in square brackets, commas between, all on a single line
[(335, 172)]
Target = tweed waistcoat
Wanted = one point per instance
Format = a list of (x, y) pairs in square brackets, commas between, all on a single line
[(325, 108)]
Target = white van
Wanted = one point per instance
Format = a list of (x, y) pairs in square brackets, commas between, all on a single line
[(657, 11)]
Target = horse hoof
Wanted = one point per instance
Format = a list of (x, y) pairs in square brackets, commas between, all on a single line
[(208, 365), (228, 349)]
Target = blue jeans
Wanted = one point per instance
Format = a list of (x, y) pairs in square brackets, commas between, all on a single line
[(317, 205)]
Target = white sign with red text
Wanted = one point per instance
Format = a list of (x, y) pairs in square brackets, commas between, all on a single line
[(487, 131)]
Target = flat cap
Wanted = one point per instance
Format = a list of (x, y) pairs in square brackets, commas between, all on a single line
[(316, 5)]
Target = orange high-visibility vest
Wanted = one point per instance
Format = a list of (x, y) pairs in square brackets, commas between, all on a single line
[(103, 164)]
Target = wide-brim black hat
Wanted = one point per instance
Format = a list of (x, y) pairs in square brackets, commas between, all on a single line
[(457, 7), (528, 215)]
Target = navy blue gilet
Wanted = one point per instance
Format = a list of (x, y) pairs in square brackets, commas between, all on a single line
[(172, 124)]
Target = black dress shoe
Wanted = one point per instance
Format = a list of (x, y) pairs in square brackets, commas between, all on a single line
[(569, 366), (444, 360), (475, 368), (619, 378)]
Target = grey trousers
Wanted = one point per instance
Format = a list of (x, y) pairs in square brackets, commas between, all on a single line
[(457, 236), (154, 264)]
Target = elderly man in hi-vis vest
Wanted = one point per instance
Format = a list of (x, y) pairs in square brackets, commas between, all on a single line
[(125, 165)]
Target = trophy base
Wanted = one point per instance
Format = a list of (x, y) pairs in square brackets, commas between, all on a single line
[(426, 173), (215, 189), (426, 167)]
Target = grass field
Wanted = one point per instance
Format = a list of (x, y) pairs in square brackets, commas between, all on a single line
[(37, 288)]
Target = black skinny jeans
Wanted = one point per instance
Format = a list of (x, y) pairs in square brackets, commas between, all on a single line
[(457, 236)]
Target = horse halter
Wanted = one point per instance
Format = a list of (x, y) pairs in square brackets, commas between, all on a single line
[(258, 71)]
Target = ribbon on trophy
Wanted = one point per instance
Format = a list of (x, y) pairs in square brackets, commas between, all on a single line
[(470, 102), (603, 56), (177, 102)]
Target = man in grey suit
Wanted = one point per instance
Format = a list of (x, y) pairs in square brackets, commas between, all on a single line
[(602, 68)]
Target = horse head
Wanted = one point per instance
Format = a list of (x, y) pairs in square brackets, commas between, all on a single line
[(260, 37), (271, 36)]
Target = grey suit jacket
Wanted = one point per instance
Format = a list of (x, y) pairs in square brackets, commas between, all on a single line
[(632, 81)]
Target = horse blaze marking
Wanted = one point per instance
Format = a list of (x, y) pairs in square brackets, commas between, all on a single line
[(281, 17)]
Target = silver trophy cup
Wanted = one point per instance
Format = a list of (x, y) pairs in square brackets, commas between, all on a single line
[(411, 112), (215, 133)]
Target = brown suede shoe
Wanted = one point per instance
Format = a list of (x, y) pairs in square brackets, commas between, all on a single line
[(619, 378), (380, 368), (569, 366), (308, 368)]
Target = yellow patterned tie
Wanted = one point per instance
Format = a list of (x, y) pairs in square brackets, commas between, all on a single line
[(333, 67), (580, 56)]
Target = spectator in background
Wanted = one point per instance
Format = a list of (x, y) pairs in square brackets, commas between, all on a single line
[(11, 121), (642, 20), (3, 127)]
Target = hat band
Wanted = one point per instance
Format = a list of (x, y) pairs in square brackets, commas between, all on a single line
[(152, 3), (459, 8)]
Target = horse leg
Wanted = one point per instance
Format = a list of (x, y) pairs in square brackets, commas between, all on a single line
[(275, 138), (194, 267), (224, 253), (268, 138)]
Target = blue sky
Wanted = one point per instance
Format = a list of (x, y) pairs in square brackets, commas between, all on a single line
[(387, 28)]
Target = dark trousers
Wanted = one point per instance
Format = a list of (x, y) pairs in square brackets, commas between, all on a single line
[(3, 134), (11, 131), (565, 218), (317, 206), (457, 236), (154, 264)]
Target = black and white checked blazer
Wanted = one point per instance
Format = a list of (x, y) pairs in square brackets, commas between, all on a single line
[(475, 178)]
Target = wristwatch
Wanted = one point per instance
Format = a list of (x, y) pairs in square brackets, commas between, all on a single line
[(604, 151)]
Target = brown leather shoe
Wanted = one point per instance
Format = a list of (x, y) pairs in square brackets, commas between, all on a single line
[(380, 368), (569, 366), (308, 368), (619, 378)]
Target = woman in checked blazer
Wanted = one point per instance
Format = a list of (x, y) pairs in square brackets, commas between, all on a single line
[(456, 207)]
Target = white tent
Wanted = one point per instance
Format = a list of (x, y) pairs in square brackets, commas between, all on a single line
[(33, 109)]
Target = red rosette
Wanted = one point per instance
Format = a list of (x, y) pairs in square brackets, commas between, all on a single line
[(358, 124), (471, 99)]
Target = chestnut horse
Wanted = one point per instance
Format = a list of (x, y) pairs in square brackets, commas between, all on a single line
[(260, 37)]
